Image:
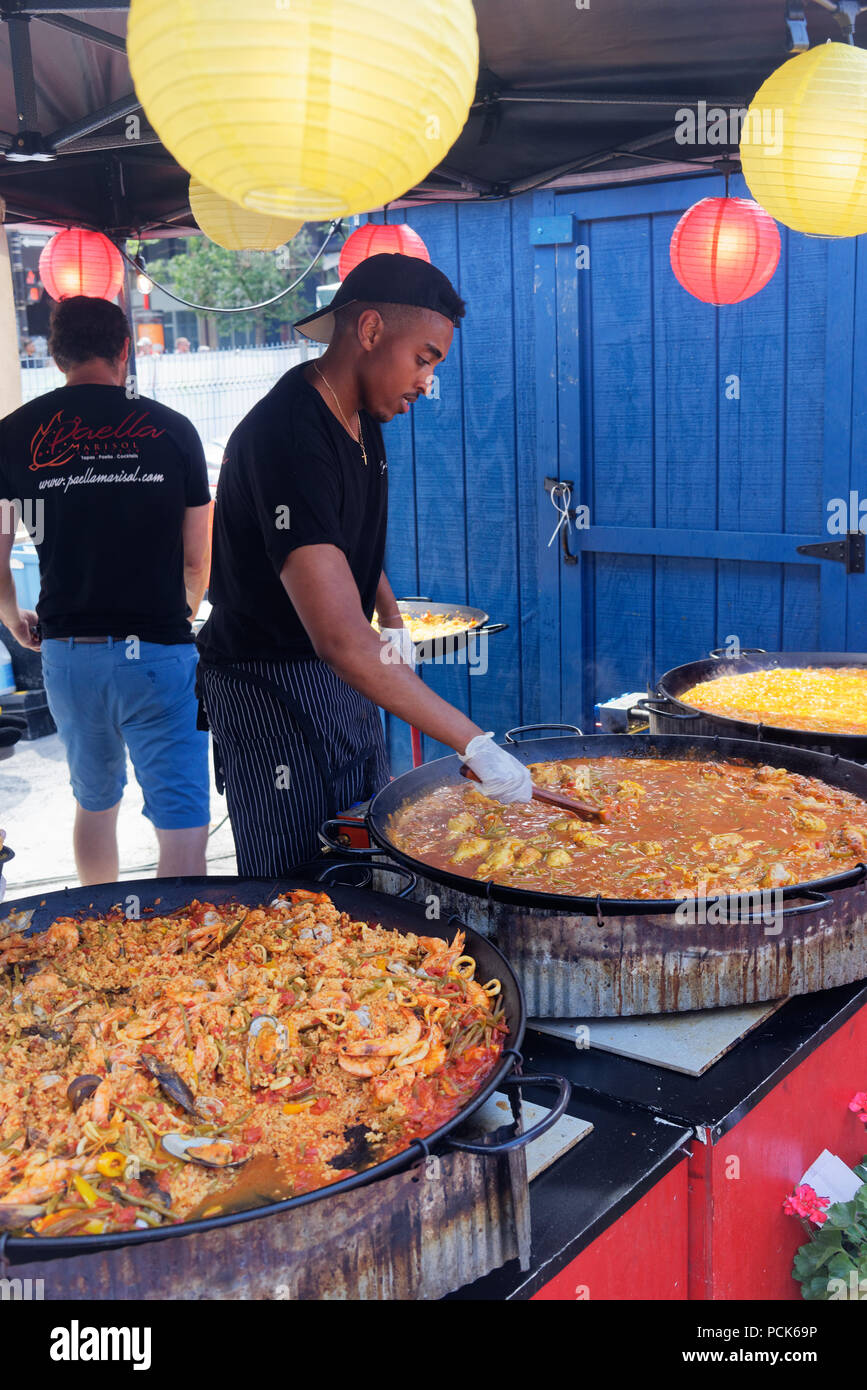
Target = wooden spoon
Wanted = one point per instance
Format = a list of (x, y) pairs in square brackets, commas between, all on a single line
[(582, 809)]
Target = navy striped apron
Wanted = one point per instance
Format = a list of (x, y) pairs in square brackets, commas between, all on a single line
[(295, 745)]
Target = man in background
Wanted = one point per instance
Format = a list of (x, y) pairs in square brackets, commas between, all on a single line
[(114, 488)]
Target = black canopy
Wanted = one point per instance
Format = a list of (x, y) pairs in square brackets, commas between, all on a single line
[(570, 92)]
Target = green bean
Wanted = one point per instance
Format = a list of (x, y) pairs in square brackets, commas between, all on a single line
[(143, 1202), (140, 1119), (7, 1143), (151, 1163), (372, 988)]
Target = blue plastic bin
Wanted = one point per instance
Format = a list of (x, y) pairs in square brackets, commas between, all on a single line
[(25, 575)]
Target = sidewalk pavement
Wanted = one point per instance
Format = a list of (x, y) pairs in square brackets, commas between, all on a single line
[(36, 811)]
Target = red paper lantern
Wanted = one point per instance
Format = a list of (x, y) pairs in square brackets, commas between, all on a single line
[(374, 239), (81, 262), (724, 250)]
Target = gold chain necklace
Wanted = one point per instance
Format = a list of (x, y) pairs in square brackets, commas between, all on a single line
[(360, 440)]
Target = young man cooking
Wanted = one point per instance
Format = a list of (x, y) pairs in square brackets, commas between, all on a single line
[(116, 488), (291, 671)]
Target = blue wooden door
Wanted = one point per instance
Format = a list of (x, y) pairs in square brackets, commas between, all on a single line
[(708, 445)]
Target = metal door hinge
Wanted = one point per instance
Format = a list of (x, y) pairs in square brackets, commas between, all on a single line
[(848, 551)]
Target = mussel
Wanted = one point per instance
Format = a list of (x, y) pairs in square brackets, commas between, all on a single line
[(26, 968), (206, 1151), (14, 1215), (42, 1030), (81, 1088), (172, 1086)]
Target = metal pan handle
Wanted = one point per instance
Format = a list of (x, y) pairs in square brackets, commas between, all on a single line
[(817, 903), (414, 598), (327, 874), (389, 868), (720, 653), (650, 703), (528, 728), (335, 844), (369, 864), (489, 628), (556, 1083)]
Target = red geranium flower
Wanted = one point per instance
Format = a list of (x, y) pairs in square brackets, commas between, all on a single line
[(858, 1103), (805, 1203)]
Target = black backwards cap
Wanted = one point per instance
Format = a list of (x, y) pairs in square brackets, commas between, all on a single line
[(388, 278)]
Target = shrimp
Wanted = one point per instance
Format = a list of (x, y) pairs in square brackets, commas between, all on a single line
[(387, 1047), (103, 1102), (139, 1029), (42, 1180), (386, 1089), (107, 1022), (371, 1066), (60, 938), (206, 1055), (477, 996), (436, 1053), (439, 955)]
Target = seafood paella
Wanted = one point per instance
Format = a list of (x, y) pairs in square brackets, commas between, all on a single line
[(827, 699), (668, 828), (145, 1064)]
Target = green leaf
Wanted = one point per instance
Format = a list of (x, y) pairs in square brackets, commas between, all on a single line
[(812, 1256), (841, 1265), (840, 1215), (815, 1290)]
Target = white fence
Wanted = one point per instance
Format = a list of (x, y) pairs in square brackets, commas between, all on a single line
[(213, 389)]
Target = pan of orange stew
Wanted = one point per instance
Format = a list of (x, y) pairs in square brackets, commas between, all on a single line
[(681, 817)]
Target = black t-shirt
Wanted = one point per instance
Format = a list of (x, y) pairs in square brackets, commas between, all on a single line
[(104, 482), (291, 476)]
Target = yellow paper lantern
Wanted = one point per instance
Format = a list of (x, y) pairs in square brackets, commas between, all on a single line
[(305, 108), (804, 142), (237, 228)]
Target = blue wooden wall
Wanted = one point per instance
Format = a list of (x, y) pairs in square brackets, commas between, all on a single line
[(699, 487)]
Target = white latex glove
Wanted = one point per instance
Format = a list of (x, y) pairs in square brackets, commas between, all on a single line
[(397, 646), (500, 775)]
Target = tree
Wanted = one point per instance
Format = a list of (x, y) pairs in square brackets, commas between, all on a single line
[(207, 274)]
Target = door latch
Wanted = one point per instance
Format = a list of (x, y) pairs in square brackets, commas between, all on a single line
[(558, 489)]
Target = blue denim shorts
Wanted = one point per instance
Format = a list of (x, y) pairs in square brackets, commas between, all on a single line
[(106, 697)]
